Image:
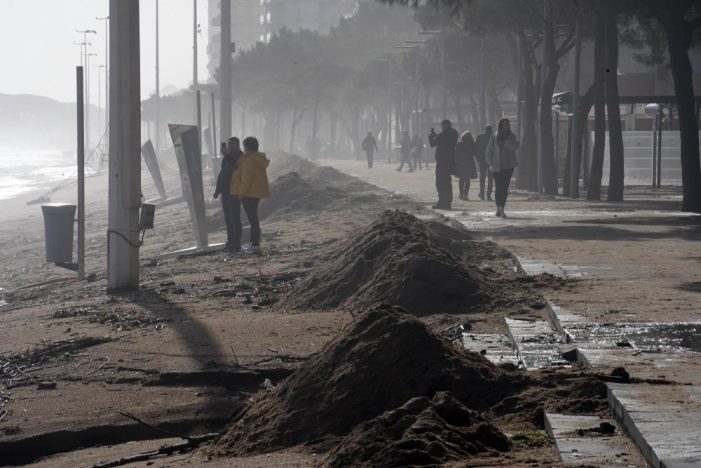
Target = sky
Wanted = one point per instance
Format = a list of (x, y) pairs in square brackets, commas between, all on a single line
[(38, 55)]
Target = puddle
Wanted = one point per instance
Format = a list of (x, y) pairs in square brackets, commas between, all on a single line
[(685, 336)]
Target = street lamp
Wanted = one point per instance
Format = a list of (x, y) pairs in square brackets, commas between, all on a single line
[(106, 19), (87, 97)]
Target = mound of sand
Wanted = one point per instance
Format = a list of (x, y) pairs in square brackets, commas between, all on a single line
[(423, 431), (291, 193), (399, 260), (376, 364)]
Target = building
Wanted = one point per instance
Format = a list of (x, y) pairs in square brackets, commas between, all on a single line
[(255, 21), (314, 15), (246, 28)]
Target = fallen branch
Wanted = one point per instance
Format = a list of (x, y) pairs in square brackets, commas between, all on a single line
[(151, 426), (192, 443), (99, 367)]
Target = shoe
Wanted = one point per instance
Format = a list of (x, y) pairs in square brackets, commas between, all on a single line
[(251, 249), (489, 198), (440, 207), (503, 214), (499, 212), (481, 195)]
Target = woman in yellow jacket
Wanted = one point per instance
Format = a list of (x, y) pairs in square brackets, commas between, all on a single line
[(248, 185)]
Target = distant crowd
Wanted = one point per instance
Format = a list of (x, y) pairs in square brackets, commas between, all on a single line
[(491, 157)]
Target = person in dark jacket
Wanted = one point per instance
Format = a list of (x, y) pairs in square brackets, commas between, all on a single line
[(502, 160), (370, 146), (230, 206), (445, 162), (485, 174), (465, 167), (405, 151)]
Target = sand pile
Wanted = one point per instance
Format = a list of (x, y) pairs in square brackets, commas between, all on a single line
[(399, 260), (291, 193), (376, 364), (423, 431)]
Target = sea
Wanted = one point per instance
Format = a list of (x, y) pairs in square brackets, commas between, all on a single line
[(23, 171)]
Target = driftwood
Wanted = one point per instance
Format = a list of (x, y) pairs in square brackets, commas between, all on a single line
[(190, 444)]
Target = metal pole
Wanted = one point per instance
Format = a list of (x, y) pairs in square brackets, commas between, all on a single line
[(574, 159), (198, 98), (80, 139), (157, 136), (655, 124), (225, 72), (483, 98), (214, 128), (125, 148), (659, 151), (87, 99), (443, 75), (389, 109)]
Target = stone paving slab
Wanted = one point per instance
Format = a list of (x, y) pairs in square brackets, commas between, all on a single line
[(578, 444), (496, 348), (536, 342)]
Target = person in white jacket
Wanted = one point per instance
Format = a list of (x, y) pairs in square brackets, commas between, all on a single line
[(502, 160)]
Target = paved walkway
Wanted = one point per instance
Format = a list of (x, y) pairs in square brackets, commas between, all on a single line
[(638, 300)]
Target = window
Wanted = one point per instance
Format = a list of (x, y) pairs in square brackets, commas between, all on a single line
[(268, 17), (262, 19)]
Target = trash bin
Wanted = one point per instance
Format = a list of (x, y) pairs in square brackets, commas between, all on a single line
[(58, 231)]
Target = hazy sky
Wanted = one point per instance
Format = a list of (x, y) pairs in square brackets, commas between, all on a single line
[(38, 55)]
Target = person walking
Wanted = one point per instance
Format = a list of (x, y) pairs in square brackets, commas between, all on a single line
[(249, 184), (445, 162), (465, 166), (405, 151), (485, 174), (231, 152), (502, 160), (417, 151), (369, 146)]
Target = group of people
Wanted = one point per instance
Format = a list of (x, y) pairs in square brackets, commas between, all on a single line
[(491, 157), (495, 153), (411, 149), (242, 182)]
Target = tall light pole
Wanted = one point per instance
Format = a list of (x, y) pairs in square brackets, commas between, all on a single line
[(125, 147), (195, 80), (87, 98), (225, 72), (157, 137), (388, 56), (106, 19)]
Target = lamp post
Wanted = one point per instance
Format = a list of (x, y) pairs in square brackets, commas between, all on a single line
[(106, 19), (87, 98), (415, 47)]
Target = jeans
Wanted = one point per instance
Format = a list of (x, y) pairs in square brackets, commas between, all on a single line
[(232, 218), (370, 155), (406, 158), (250, 206), (486, 176), (444, 187), (502, 179)]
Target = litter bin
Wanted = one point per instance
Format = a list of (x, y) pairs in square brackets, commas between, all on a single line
[(58, 231)]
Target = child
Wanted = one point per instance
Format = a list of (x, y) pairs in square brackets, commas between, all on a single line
[(249, 184)]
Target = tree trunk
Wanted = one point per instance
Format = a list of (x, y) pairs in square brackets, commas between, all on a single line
[(617, 170), (597, 161), (315, 119), (293, 129), (679, 35), (527, 175), (550, 70)]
